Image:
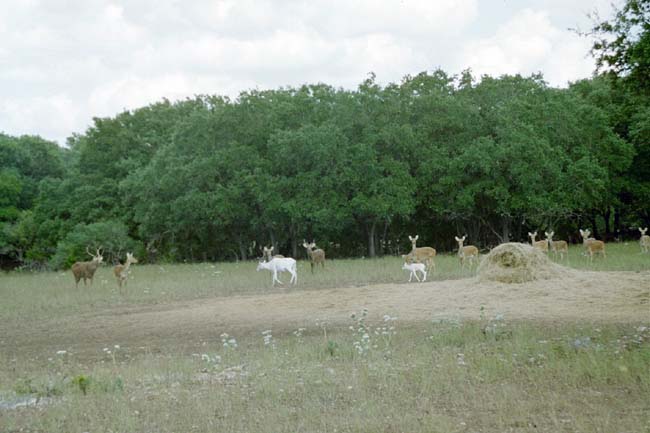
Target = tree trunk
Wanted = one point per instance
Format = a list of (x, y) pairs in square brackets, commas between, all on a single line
[(384, 241), (371, 239), (242, 248), (273, 241), (608, 233), (294, 241), (505, 229), (594, 226)]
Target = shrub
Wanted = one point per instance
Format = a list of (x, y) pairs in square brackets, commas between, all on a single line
[(111, 236)]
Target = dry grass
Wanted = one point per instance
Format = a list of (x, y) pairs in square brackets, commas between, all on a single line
[(518, 263)]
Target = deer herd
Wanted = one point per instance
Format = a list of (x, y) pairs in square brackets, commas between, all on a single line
[(418, 260)]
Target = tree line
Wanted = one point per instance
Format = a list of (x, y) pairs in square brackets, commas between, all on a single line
[(210, 178)]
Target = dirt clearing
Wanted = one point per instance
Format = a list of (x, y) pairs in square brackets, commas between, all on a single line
[(585, 296)]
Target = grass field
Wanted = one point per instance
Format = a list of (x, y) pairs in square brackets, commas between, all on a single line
[(487, 373)]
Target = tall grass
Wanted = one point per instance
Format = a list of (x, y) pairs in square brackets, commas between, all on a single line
[(444, 377)]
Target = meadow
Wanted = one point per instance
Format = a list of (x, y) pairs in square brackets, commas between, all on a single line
[(484, 372)]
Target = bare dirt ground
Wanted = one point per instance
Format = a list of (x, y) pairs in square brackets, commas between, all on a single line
[(618, 297)]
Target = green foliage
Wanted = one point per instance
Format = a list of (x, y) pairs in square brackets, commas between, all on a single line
[(622, 44), (355, 170), (111, 236)]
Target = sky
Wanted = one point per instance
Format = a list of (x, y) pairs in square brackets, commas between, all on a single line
[(63, 62)]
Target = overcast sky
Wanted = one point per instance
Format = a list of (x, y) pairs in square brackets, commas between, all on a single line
[(63, 62)]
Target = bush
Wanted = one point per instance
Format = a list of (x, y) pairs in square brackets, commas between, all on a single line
[(111, 236)]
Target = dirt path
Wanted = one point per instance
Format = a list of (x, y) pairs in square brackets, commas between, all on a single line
[(596, 297)]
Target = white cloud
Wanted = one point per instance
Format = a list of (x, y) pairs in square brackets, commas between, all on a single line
[(64, 62), (530, 43)]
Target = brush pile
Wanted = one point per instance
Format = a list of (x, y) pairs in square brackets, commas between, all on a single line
[(517, 263)]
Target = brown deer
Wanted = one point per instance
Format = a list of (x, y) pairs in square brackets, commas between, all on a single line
[(122, 271), (316, 256), (540, 245), (267, 254), (466, 252), (592, 245), (644, 241), (86, 270), (421, 255), (560, 247)]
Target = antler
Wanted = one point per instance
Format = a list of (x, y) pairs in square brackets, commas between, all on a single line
[(89, 253)]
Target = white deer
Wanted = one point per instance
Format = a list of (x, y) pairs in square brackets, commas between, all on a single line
[(415, 268), (540, 245), (276, 265), (644, 241), (592, 245), (466, 252), (560, 247)]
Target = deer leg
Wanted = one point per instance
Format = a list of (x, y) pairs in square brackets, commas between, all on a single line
[(294, 277), (312, 266), (424, 275), (276, 277)]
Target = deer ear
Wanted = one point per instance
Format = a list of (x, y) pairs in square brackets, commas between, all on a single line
[(456, 237), (417, 237), (410, 238)]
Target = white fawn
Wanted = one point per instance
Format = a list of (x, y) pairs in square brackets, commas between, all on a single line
[(421, 255), (86, 270), (540, 245), (415, 268), (277, 265), (316, 256), (560, 247), (592, 245), (469, 252), (644, 241), (122, 271)]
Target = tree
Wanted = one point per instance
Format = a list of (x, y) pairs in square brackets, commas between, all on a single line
[(622, 44)]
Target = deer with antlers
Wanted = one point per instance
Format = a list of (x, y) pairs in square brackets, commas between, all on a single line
[(644, 241), (560, 247), (420, 255), (468, 252), (592, 245), (122, 271), (540, 245), (316, 256), (86, 270)]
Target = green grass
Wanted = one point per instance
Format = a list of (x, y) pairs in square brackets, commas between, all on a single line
[(488, 376), (442, 377), (52, 294)]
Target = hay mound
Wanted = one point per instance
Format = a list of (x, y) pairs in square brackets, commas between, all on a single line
[(517, 263)]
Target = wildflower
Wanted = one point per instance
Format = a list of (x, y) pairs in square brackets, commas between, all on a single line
[(61, 352)]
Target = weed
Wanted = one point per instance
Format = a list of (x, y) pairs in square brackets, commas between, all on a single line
[(228, 342), (82, 382)]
